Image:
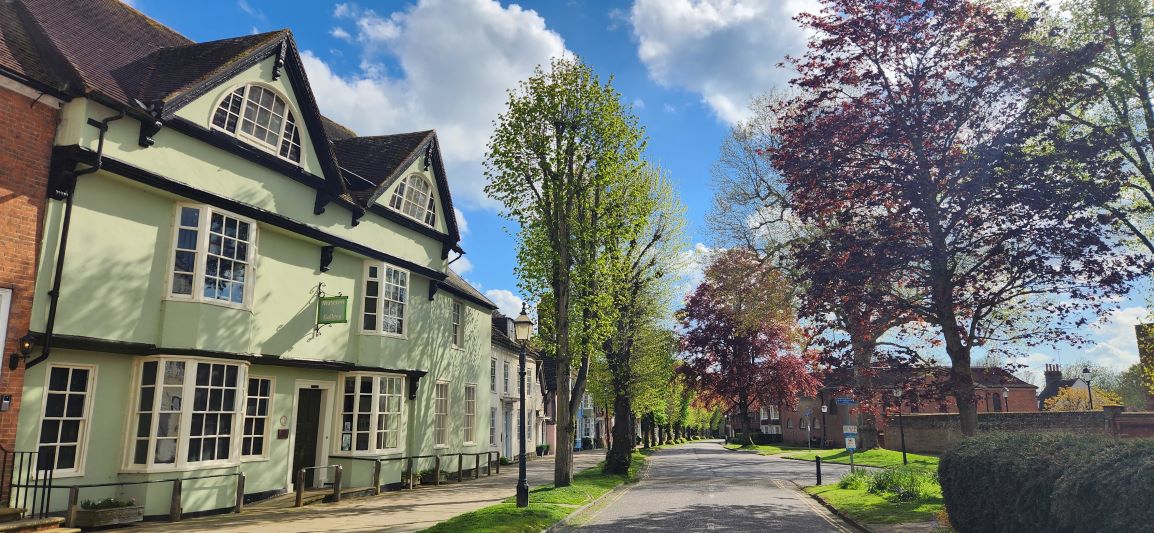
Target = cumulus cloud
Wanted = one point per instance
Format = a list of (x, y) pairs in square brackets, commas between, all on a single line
[(693, 261), (462, 224), (455, 61), (507, 302), (727, 51), (1114, 343), (461, 265)]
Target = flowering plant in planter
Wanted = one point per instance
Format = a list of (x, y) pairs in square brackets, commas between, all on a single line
[(107, 512)]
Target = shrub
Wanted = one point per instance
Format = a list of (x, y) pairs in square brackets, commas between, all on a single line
[(1109, 491), (895, 484), (107, 503), (857, 480), (1009, 482)]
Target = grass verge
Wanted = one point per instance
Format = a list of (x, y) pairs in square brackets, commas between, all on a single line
[(764, 449), (547, 504), (875, 457), (868, 508)]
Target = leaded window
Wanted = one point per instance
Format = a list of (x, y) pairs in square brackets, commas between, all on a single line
[(257, 113), (386, 296), (441, 415), (212, 256), (414, 198)]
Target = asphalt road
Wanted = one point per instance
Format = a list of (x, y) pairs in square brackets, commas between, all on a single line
[(703, 487)]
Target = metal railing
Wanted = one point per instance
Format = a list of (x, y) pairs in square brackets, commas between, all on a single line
[(175, 506), (33, 490), (300, 482)]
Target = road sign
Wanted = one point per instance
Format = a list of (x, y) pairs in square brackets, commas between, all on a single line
[(847, 429), (851, 443), (809, 412), (845, 401)]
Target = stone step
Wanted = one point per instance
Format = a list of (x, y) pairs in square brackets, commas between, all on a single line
[(32, 524), (8, 514)]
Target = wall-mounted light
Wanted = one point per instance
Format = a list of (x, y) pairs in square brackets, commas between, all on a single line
[(24, 346)]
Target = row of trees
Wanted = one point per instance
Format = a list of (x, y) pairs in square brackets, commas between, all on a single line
[(600, 231), (957, 175)]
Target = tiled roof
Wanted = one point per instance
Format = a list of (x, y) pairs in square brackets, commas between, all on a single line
[(21, 49), (337, 132), (377, 159), (452, 279), (170, 72), (990, 377)]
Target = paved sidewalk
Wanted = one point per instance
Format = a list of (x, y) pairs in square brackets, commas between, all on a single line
[(410, 510)]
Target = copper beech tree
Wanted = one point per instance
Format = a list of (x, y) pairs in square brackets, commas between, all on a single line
[(924, 132), (740, 341)]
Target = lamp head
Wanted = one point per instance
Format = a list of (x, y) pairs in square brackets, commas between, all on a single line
[(25, 345), (1005, 392), (522, 326), (897, 392), (1086, 373)]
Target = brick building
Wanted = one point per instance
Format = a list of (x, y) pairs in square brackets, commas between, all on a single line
[(29, 108), (997, 391)]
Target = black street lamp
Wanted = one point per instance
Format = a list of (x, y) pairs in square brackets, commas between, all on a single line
[(1089, 389), (522, 329), (901, 425)]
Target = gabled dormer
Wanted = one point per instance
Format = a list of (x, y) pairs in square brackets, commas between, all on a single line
[(402, 178)]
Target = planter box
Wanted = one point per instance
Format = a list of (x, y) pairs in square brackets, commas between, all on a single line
[(108, 517)]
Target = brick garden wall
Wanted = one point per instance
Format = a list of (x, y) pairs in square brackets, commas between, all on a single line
[(933, 433), (25, 151)]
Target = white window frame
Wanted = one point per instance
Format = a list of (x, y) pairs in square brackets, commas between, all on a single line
[(252, 140), (375, 413), (441, 415), (379, 306), (5, 308), (267, 418), (201, 259), (457, 334), (470, 425), (86, 418), (430, 207), (505, 368), (492, 374), (181, 462), (493, 426)]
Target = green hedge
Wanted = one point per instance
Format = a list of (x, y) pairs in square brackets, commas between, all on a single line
[(1048, 482)]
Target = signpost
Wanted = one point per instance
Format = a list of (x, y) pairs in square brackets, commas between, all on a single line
[(850, 434)]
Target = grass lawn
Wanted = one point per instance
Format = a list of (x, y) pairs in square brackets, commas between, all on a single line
[(547, 504), (874, 509), (764, 449), (874, 457)]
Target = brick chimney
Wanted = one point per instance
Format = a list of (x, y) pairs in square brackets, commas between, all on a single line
[(1053, 373)]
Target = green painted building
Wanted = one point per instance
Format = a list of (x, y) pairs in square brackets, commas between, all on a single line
[(231, 283)]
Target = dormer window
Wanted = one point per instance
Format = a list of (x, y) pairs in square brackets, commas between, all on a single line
[(414, 199), (255, 113)]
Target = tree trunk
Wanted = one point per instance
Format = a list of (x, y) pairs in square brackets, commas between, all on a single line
[(621, 448), (962, 383), (743, 413), (645, 431)]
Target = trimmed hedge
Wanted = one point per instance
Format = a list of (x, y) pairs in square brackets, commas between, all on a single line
[(1018, 482)]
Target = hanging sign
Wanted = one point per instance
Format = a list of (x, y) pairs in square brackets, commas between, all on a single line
[(332, 310)]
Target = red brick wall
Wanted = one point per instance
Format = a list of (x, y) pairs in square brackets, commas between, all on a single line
[(25, 150)]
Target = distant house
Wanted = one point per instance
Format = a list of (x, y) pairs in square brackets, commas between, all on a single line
[(505, 410), (997, 391), (1055, 384)]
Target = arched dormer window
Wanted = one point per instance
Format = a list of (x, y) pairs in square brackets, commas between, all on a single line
[(255, 113), (414, 199)]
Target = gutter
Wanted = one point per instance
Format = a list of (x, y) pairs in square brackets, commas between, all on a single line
[(67, 196)]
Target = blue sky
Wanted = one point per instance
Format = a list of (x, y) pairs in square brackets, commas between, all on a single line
[(688, 67)]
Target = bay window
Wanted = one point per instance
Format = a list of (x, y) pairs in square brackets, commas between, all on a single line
[(169, 430), (371, 413), (212, 256), (385, 298)]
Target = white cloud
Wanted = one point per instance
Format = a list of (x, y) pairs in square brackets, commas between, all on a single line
[(341, 33), (462, 224), (727, 51), (456, 61), (253, 12), (507, 302), (1115, 345), (694, 261), (638, 104), (461, 265)]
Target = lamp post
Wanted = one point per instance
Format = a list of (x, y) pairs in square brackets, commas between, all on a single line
[(522, 328), (1005, 399), (1089, 389), (901, 425), (824, 408)]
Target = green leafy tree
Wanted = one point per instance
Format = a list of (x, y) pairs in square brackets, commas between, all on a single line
[(556, 155)]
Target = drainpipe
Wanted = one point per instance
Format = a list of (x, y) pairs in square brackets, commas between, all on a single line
[(54, 294)]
